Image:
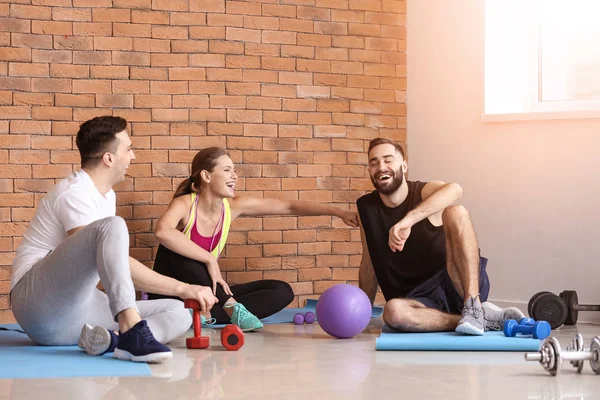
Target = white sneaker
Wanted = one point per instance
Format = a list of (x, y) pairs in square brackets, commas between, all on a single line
[(94, 341)]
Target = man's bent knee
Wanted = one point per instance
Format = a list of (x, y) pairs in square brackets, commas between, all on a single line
[(114, 223), (400, 314), (455, 214), (114, 227)]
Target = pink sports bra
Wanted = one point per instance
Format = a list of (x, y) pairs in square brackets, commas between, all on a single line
[(205, 241)]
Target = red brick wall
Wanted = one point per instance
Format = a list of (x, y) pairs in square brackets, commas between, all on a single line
[(294, 88)]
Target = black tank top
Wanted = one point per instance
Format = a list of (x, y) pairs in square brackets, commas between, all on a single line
[(424, 252)]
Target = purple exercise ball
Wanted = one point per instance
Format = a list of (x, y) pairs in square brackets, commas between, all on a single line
[(344, 311)]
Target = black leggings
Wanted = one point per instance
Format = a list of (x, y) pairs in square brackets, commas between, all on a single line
[(261, 298)]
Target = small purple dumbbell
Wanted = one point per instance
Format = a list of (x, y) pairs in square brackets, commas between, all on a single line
[(309, 317), (298, 319)]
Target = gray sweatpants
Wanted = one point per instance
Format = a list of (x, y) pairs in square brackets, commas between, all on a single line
[(56, 297)]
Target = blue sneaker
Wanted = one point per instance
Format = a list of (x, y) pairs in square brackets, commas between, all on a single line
[(139, 345), (97, 340), (244, 318)]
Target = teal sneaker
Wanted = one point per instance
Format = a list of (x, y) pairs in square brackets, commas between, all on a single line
[(205, 323), (244, 318)]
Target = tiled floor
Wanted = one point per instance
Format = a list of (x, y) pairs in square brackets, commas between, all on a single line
[(302, 362)]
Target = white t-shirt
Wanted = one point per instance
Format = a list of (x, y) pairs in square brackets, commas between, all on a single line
[(73, 202)]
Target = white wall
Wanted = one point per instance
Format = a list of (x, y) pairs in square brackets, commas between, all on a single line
[(533, 188)]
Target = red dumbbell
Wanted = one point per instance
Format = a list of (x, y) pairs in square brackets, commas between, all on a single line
[(198, 341), (232, 337)]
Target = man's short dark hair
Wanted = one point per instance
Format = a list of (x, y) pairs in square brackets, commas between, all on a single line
[(98, 136), (378, 141)]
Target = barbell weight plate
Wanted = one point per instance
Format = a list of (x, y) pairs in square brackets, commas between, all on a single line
[(571, 300), (556, 350), (595, 349), (533, 298), (577, 345), (551, 308)]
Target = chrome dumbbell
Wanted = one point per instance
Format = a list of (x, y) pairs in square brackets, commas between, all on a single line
[(551, 356)]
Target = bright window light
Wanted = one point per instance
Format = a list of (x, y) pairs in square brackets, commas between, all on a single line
[(542, 57)]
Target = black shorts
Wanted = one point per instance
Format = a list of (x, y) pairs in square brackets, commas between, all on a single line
[(438, 291)]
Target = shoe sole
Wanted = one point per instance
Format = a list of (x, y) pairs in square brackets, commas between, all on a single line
[(83, 335), (469, 329), (95, 341), (154, 358), (252, 329)]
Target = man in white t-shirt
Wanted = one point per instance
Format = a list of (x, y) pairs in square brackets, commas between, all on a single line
[(75, 240)]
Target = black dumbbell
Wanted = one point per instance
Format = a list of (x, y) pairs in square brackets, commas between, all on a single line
[(573, 306), (548, 307)]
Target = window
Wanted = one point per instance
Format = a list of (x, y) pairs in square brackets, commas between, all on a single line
[(541, 59)]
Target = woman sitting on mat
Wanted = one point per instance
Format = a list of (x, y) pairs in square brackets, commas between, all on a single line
[(193, 232)]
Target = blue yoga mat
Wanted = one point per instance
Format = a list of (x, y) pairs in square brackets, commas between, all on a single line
[(20, 357), (287, 314), (453, 341)]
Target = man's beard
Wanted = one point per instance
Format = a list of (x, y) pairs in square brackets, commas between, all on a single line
[(390, 187)]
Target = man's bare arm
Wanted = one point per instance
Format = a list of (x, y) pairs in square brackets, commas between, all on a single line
[(367, 280), (437, 195), (147, 280)]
